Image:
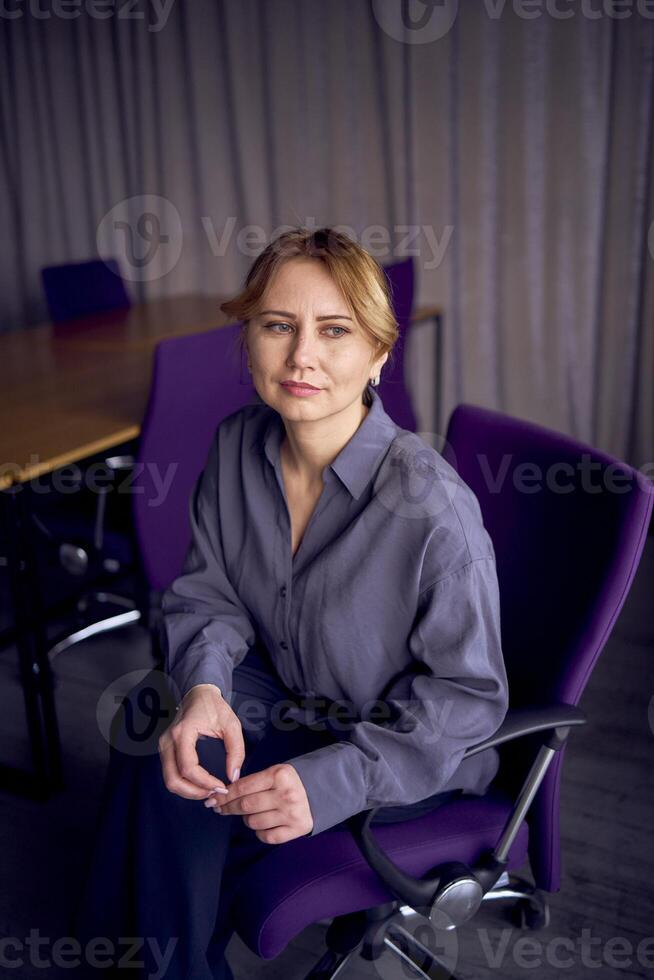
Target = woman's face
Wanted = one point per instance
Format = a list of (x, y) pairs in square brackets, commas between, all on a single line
[(305, 332)]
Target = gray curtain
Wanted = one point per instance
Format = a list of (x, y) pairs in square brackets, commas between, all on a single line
[(511, 153)]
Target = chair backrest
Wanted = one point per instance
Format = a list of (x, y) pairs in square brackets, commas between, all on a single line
[(197, 381), (83, 288), (568, 524), (392, 389)]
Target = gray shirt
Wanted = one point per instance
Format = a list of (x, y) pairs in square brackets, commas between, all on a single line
[(388, 613)]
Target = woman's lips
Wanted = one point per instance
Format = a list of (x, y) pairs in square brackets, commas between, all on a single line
[(298, 390)]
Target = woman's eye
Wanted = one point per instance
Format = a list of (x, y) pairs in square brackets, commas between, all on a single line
[(271, 326)]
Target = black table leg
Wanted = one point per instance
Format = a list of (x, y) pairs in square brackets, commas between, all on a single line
[(36, 674)]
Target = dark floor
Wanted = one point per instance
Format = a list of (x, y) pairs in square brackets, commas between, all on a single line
[(607, 823)]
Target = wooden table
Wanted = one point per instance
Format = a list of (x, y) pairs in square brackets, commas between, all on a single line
[(72, 390)]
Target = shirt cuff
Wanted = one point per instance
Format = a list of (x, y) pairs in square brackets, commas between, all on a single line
[(334, 784), (201, 666)]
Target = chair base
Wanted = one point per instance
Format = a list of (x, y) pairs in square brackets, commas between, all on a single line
[(133, 613), (94, 629), (530, 909), (399, 929)]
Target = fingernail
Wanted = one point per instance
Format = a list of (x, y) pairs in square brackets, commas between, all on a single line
[(235, 774), (219, 789), (210, 803)]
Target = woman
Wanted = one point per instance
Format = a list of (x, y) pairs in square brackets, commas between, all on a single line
[(333, 642)]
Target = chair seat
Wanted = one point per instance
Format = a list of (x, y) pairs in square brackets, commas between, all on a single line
[(320, 877)]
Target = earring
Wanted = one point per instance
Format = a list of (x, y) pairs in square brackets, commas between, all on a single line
[(374, 381)]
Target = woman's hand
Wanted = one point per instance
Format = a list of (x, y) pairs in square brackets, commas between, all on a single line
[(203, 711), (272, 802)]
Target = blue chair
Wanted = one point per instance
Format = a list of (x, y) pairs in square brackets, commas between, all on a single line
[(77, 289)]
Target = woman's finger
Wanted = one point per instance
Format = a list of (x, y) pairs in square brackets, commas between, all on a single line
[(250, 804), (234, 747), (182, 772), (262, 820)]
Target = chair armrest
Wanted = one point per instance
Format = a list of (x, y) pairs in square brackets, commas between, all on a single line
[(528, 721), (555, 720)]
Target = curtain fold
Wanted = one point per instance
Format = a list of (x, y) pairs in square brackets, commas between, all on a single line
[(512, 156)]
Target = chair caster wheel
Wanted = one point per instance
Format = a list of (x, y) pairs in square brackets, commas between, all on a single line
[(527, 915)]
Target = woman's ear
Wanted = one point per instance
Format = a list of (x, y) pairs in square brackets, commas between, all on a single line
[(381, 363)]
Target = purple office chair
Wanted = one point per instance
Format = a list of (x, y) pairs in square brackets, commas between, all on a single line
[(392, 388), (566, 561), (82, 288), (197, 381)]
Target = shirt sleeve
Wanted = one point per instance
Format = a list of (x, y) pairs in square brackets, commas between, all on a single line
[(206, 630), (454, 695)]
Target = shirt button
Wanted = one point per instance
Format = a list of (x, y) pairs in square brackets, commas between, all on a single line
[(282, 591), (284, 645)]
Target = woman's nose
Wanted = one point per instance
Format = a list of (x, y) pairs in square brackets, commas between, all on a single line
[(303, 350)]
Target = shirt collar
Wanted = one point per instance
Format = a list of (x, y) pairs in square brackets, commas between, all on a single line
[(357, 462)]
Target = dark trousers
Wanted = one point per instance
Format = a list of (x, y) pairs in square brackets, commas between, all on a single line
[(164, 869)]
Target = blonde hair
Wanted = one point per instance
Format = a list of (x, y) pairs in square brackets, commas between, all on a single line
[(359, 276)]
